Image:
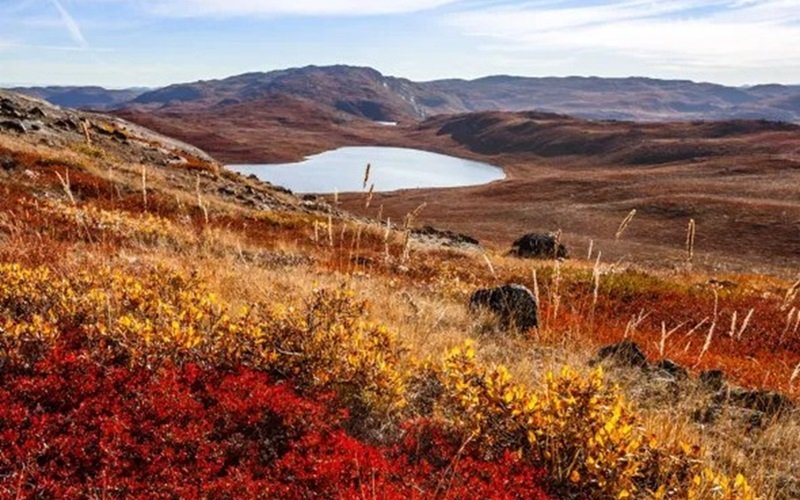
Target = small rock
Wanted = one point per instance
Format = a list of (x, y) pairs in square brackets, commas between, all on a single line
[(448, 238), (539, 246), (8, 163), (513, 304), (769, 403), (14, 126), (37, 112), (713, 379), (227, 190), (672, 369), (627, 353)]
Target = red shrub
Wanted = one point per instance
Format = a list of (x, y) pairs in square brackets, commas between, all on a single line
[(71, 427)]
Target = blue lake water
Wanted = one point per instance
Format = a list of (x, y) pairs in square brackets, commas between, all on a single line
[(342, 170)]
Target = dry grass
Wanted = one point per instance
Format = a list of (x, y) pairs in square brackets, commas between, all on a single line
[(421, 292)]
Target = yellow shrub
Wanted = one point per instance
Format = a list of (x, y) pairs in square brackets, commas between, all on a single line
[(578, 428), (158, 314)]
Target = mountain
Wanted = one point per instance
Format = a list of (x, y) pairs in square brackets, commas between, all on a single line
[(366, 93), (82, 97)]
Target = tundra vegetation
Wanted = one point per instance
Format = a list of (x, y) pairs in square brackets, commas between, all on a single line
[(159, 337)]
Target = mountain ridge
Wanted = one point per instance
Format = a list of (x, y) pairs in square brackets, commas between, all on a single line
[(367, 93)]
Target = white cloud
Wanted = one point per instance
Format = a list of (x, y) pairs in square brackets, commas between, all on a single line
[(716, 35), (70, 24), (193, 8)]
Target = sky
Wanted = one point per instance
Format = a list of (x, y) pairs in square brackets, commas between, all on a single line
[(149, 43)]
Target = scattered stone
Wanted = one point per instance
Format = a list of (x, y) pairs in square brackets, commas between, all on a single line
[(514, 305), (713, 380), (120, 136), (447, 238), (539, 246), (14, 126), (7, 163), (769, 403), (37, 112), (626, 353), (8, 108), (227, 190), (66, 123), (672, 369)]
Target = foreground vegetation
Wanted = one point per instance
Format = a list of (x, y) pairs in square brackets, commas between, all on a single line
[(159, 340)]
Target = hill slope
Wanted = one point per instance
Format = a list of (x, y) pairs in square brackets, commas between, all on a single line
[(170, 328)]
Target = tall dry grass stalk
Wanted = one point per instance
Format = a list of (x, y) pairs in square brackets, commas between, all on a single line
[(795, 374), (330, 230), (596, 281), (200, 203), (710, 335), (732, 330), (366, 175), (489, 265), (65, 185), (624, 224), (536, 287), (86, 134), (665, 335), (791, 294), (634, 323), (144, 186), (409, 220), (745, 323), (591, 250), (555, 295), (369, 196), (690, 233), (386, 234)]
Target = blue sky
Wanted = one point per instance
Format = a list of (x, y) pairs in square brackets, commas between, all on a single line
[(119, 43)]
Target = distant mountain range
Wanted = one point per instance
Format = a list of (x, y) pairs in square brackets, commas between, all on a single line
[(82, 97), (366, 93)]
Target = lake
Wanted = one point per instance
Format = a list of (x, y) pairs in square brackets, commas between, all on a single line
[(342, 170)]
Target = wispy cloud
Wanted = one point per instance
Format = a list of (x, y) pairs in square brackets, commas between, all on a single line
[(70, 24), (195, 8), (733, 34)]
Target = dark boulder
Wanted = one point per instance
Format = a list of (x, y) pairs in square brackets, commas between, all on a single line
[(37, 112), (7, 162), (626, 353), (514, 305), (13, 126), (769, 403), (713, 379), (539, 246)]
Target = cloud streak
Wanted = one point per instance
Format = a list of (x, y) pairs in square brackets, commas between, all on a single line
[(198, 8), (70, 24), (720, 35)]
